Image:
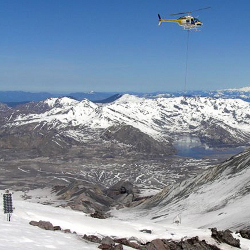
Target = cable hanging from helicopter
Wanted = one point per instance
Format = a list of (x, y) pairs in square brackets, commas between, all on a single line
[(188, 23)]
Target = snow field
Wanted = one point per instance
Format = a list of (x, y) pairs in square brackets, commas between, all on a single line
[(18, 234)]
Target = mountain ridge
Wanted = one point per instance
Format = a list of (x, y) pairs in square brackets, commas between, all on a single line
[(216, 122)]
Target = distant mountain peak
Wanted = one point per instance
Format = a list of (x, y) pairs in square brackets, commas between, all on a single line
[(243, 89), (60, 101)]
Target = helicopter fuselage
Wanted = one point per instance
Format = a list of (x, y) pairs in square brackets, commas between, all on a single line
[(187, 22)]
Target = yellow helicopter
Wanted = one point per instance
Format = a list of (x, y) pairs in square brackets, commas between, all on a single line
[(186, 22)]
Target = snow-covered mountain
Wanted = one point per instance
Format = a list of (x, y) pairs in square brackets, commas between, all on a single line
[(243, 89), (54, 125), (219, 197), (214, 121), (241, 93)]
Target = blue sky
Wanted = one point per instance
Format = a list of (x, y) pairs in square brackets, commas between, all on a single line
[(117, 45)]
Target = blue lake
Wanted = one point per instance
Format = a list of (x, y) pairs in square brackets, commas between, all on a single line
[(192, 147)]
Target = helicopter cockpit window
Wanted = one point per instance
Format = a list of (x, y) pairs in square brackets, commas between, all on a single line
[(196, 20), (192, 21)]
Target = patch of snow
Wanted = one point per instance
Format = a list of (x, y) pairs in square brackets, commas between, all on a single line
[(18, 234)]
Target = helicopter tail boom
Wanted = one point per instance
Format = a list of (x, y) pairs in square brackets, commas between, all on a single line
[(168, 20)]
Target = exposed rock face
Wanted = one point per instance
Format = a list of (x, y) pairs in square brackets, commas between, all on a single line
[(122, 193), (216, 135), (94, 199), (120, 188), (86, 197), (226, 237), (43, 142), (244, 233), (140, 141)]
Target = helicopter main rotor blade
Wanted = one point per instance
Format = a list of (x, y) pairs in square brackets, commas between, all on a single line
[(201, 9), (181, 13), (188, 12)]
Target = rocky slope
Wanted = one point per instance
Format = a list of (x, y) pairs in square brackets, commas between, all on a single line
[(220, 196), (93, 198)]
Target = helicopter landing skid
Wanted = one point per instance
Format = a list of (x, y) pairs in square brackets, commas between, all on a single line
[(188, 28)]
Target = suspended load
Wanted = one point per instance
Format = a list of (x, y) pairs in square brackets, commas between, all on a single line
[(188, 23)]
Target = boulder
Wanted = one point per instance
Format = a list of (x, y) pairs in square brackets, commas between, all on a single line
[(126, 242), (108, 243), (57, 228), (43, 224), (98, 215), (157, 244), (67, 231), (225, 237), (107, 247), (118, 247), (148, 231), (92, 238)]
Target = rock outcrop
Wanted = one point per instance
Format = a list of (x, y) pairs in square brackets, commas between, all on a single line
[(109, 243), (190, 244), (95, 199), (45, 225), (244, 233), (225, 237), (122, 193), (163, 244)]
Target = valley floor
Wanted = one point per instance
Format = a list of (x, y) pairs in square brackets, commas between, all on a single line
[(25, 173)]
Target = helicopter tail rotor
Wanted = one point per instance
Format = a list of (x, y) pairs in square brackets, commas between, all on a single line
[(159, 19)]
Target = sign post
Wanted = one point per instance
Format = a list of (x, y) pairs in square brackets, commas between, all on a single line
[(7, 204)]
